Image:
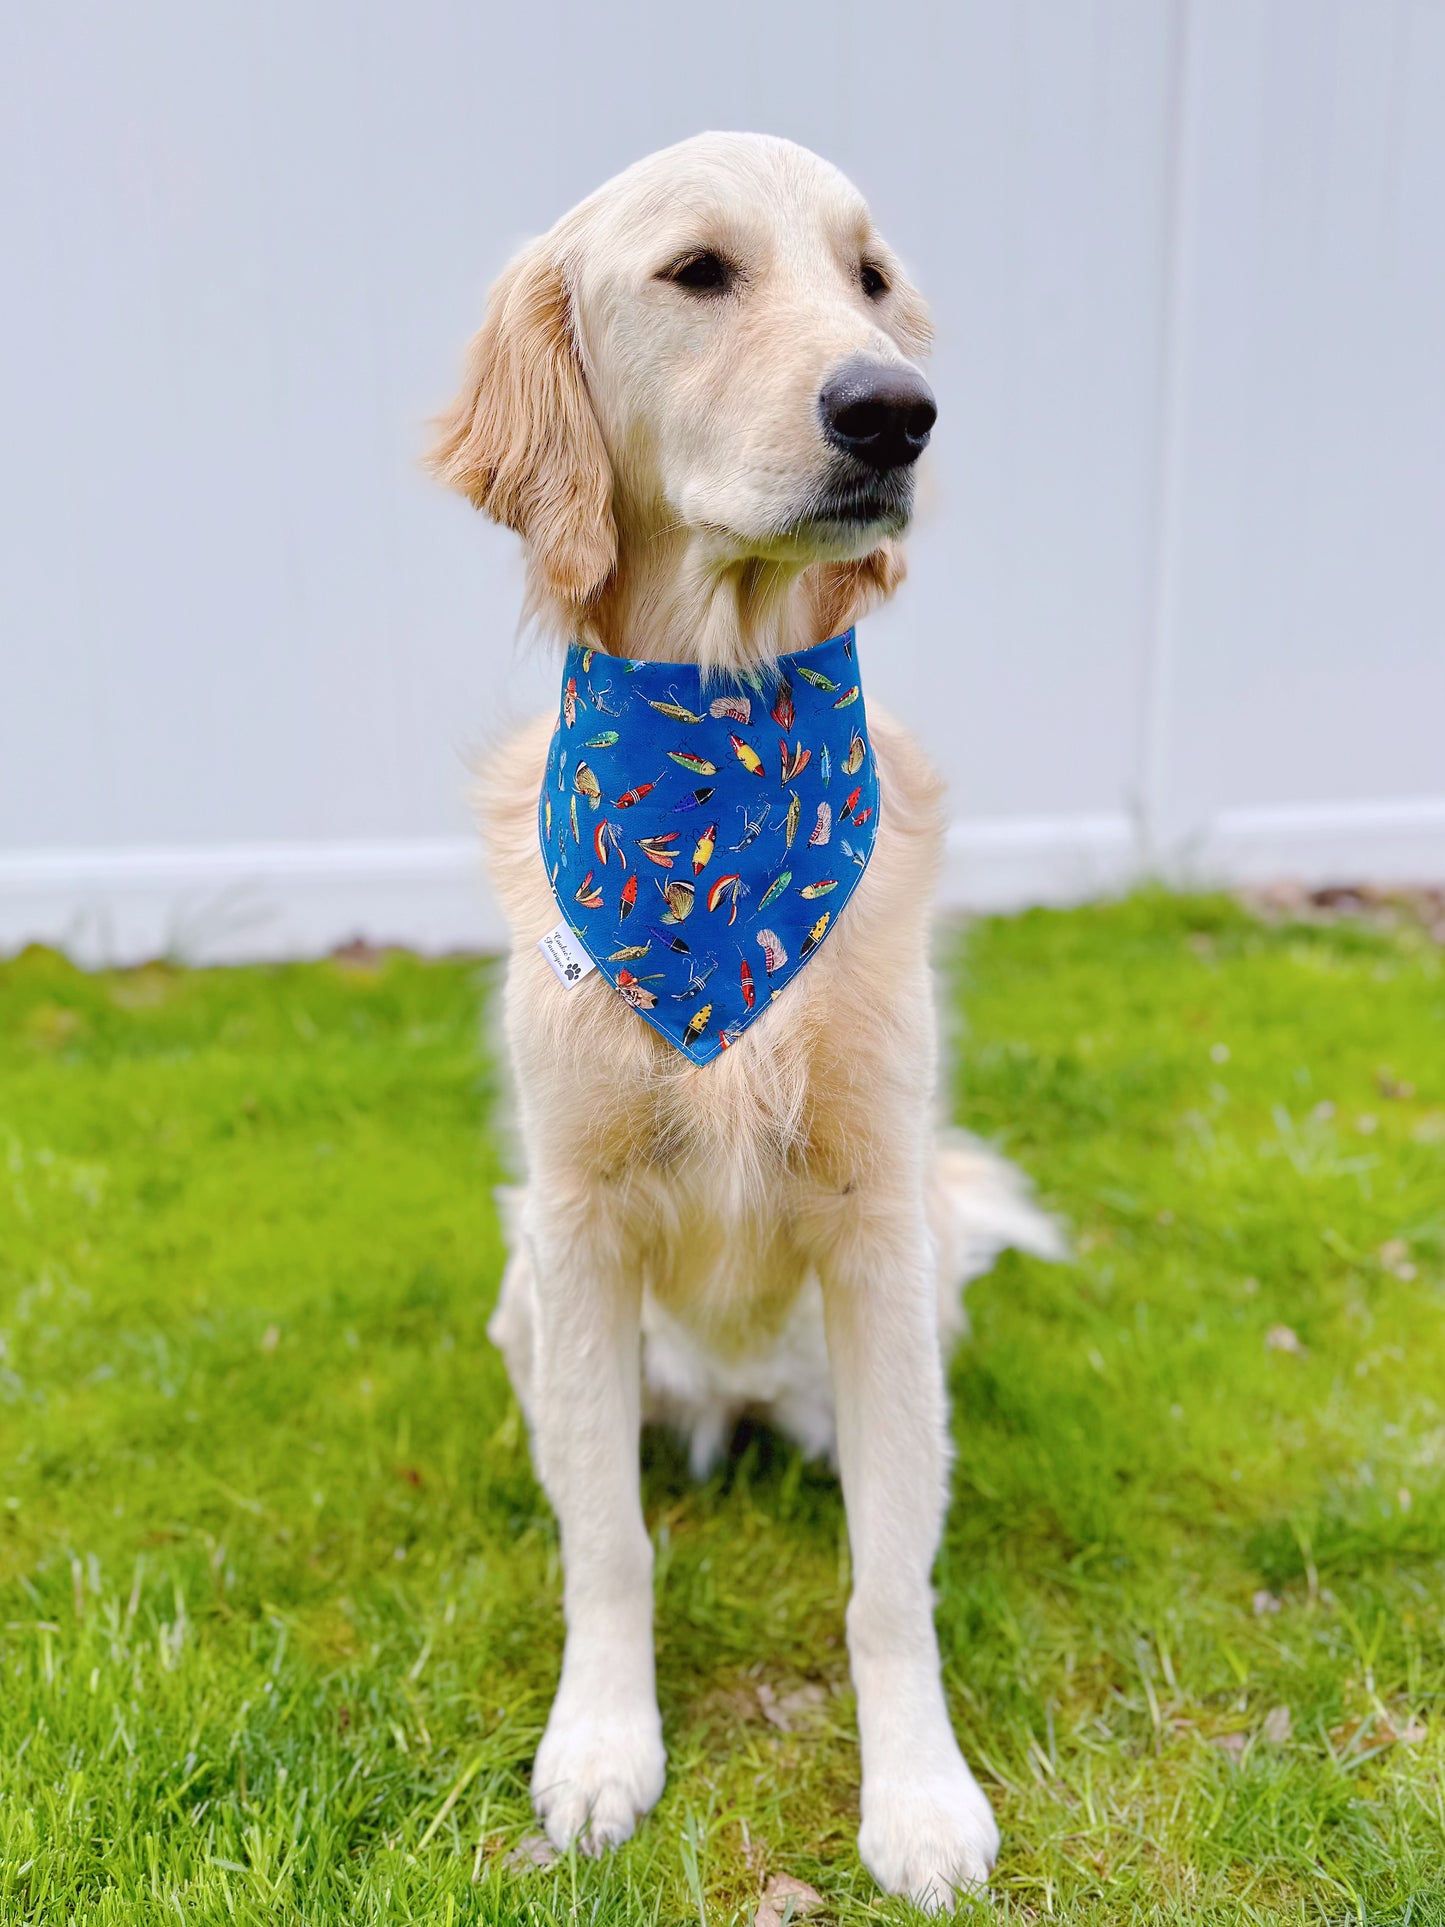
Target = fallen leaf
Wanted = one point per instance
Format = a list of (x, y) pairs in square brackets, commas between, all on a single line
[(1395, 1257), (781, 1890), (1278, 1725), (359, 955), (532, 1850), (1362, 1736), (787, 1711), (1231, 1743)]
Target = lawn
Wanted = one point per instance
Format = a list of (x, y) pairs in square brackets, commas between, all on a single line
[(279, 1596)]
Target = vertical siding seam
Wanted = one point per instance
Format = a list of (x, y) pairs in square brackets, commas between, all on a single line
[(1165, 508)]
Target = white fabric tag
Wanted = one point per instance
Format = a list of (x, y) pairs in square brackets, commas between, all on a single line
[(570, 962)]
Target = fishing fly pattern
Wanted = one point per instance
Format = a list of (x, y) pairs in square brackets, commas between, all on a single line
[(730, 895)]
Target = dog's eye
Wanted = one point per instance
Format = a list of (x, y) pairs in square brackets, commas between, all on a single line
[(872, 280), (700, 273)]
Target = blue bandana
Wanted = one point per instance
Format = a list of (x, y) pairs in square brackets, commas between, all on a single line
[(702, 834)]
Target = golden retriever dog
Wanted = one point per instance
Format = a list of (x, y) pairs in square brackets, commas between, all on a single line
[(696, 400)]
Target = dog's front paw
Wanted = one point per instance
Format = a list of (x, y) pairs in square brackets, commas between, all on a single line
[(596, 1774), (932, 1838)]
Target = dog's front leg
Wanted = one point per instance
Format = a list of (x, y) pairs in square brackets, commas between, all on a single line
[(601, 1761), (928, 1830)]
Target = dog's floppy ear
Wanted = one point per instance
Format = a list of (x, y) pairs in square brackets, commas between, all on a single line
[(521, 440)]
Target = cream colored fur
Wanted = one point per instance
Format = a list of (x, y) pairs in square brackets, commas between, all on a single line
[(781, 1231)]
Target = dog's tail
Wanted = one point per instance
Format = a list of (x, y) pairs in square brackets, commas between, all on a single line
[(980, 1205)]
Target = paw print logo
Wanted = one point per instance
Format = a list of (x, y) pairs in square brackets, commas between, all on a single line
[(574, 971)]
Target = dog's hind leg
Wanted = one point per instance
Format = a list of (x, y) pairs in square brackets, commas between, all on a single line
[(978, 1206), (601, 1762), (512, 1324)]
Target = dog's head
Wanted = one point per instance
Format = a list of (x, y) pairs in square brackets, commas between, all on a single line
[(715, 346)]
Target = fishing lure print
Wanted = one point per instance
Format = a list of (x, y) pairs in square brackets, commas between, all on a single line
[(814, 937), (812, 676), (775, 865), (747, 755), (629, 797), (697, 982), (792, 820), (671, 941), (607, 837), (679, 897), (675, 711), (635, 991), (694, 800), (656, 850), (752, 827), (774, 955), (775, 889), (727, 890), (794, 762), (698, 1025)]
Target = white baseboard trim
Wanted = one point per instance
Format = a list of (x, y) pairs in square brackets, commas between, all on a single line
[(1399, 840), (248, 903), (1014, 862), (261, 902)]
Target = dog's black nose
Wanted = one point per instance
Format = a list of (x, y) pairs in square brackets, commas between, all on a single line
[(881, 412)]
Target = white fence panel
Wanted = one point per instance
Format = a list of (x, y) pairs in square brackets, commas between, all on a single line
[(1179, 585), (1304, 619)]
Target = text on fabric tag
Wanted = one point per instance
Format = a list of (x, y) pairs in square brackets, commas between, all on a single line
[(570, 962)]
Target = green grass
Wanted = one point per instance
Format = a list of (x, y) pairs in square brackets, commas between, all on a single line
[(279, 1596)]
